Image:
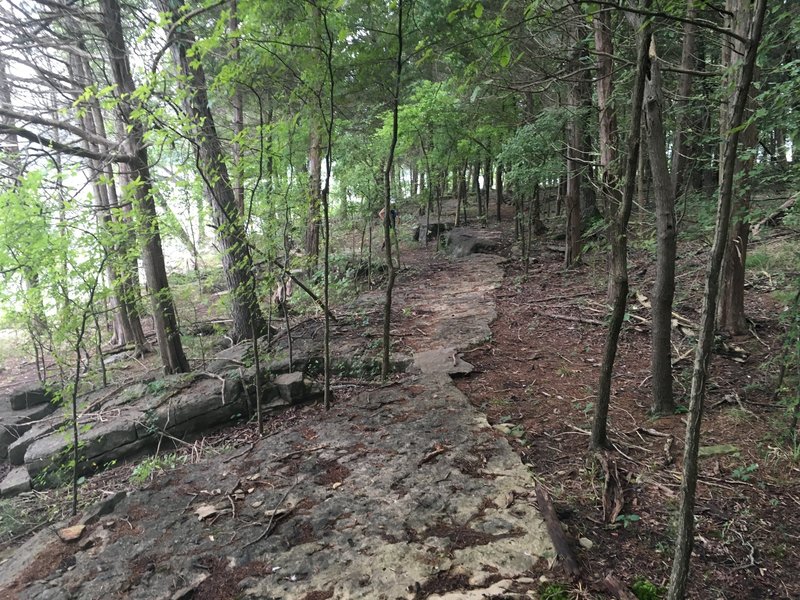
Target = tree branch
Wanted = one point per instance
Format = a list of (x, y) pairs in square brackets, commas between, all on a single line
[(63, 148)]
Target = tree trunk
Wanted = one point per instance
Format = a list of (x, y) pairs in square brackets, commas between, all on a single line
[(387, 197), (681, 105), (664, 287), (618, 226), (487, 182), (499, 185), (237, 262), (164, 316), (575, 153), (730, 309), (685, 527), (127, 324), (476, 182), (314, 193), (238, 116)]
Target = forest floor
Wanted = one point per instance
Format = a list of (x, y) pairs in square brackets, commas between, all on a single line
[(540, 373), (534, 380)]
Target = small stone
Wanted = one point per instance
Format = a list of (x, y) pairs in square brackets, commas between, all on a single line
[(71, 534), (586, 543)]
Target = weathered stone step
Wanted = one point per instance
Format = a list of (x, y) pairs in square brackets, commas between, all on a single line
[(14, 423), (15, 482)]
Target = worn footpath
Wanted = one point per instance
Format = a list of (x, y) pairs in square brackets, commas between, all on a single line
[(404, 491)]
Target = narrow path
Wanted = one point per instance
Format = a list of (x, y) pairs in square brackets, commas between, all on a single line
[(404, 492)]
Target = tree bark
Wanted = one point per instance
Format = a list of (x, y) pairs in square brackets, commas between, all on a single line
[(237, 263), (164, 315), (685, 527), (575, 152), (618, 226), (730, 309), (664, 286), (314, 193), (238, 116), (499, 185), (387, 197), (681, 105)]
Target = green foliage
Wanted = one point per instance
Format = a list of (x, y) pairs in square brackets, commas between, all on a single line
[(744, 473), (554, 591), (626, 520), (644, 589), (532, 156), (151, 466)]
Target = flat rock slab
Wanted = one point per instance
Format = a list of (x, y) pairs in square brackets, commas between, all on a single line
[(27, 396), (15, 423), (397, 489), (463, 242), (15, 482), (440, 360)]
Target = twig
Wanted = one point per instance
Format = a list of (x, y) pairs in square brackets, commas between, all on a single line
[(233, 507), (567, 318), (272, 517), (301, 451), (618, 449), (578, 429), (185, 508), (221, 378), (652, 432), (484, 347), (431, 455), (235, 456), (562, 297)]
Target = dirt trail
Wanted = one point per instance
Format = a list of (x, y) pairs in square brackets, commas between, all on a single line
[(404, 491)]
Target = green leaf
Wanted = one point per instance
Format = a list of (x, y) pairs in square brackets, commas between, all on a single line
[(478, 10), (505, 56)]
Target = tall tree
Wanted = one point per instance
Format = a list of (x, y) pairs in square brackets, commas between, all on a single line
[(730, 309), (237, 261), (664, 286), (618, 232), (387, 195), (164, 316), (575, 144), (680, 144), (685, 528)]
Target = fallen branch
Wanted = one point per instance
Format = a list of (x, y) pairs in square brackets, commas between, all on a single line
[(298, 452), (563, 297), (272, 517), (556, 532), (221, 378), (567, 318), (439, 449), (306, 289), (776, 217), (235, 456)]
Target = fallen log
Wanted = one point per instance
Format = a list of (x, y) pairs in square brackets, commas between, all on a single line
[(776, 218)]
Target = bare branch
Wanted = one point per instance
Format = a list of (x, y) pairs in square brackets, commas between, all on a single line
[(63, 148)]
